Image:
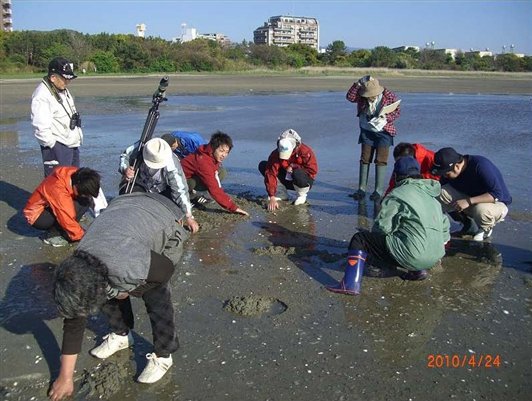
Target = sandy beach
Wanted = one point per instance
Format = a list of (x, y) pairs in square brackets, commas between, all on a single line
[(254, 319)]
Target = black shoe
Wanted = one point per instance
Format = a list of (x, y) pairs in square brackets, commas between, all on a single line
[(415, 275), (200, 201)]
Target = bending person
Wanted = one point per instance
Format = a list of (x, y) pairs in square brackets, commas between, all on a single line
[(159, 172), (203, 169), (130, 250)]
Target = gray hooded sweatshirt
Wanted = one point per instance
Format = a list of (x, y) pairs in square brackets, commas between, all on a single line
[(128, 230)]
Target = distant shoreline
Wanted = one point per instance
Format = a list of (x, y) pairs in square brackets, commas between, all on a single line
[(15, 93)]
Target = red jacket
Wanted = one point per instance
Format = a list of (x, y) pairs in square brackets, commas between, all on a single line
[(302, 157), (57, 193), (425, 158), (203, 165)]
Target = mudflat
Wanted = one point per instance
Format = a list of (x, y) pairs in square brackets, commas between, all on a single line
[(15, 93), (254, 319)]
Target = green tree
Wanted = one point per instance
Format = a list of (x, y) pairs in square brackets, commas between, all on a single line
[(430, 59), (359, 58), (336, 53), (270, 56), (306, 54), (105, 61), (382, 56), (131, 54), (510, 62)]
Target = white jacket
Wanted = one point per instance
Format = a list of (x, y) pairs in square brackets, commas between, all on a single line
[(51, 122)]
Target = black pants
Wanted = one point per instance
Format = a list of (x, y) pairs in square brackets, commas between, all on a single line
[(157, 298), (374, 244), (300, 177), (47, 219), (59, 155)]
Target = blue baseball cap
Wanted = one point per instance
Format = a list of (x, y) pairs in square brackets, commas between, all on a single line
[(406, 166)]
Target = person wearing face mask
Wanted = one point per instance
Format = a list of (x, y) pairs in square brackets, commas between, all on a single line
[(56, 122), (202, 169), (377, 110)]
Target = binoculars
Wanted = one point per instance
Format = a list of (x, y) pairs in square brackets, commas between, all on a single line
[(75, 121)]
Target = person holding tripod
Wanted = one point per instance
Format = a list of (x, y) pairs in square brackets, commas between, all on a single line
[(56, 122), (159, 171)]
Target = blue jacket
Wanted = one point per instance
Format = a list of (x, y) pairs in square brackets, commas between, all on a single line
[(189, 142)]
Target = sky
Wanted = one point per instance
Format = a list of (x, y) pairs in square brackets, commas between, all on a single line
[(460, 24)]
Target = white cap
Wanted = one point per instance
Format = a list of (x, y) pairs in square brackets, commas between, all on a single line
[(286, 146), (156, 153)]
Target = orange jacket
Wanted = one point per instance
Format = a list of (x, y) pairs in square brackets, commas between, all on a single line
[(425, 158), (57, 193)]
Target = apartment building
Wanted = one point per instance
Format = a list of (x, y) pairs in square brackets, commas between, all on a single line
[(285, 30), (7, 17)]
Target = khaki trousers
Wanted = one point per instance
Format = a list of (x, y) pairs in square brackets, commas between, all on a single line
[(486, 215)]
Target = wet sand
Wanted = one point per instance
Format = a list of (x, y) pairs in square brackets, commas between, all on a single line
[(254, 319)]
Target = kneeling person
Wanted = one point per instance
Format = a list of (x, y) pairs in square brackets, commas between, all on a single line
[(410, 230), (130, 250)]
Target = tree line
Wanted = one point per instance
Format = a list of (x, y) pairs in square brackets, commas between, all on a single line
[(30, 52)]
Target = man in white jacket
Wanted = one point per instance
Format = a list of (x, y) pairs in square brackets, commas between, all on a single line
[(56, 123)]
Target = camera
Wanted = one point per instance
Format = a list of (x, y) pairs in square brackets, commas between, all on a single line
[(75, 121)]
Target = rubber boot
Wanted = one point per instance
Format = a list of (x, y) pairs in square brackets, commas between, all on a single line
[(301, 195), (380, 175), (362, 182), (350, 284)]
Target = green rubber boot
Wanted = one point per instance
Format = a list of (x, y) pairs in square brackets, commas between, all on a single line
[(362, 182), (380, 175)]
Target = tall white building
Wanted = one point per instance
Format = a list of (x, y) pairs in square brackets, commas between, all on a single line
[(285, 30), (7, 16), (141, 29), (188, 34)]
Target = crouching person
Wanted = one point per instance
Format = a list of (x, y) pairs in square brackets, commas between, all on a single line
[(293, 166), (60, 201), (410, 230), (130, 250)]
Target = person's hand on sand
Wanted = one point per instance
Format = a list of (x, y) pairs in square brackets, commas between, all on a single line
[(273, 204), (61, 388), (243, 212), (192, 224)]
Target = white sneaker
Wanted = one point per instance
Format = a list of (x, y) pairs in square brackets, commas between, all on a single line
[(112, 343), (155, 369), (300, 200), (482, 235)]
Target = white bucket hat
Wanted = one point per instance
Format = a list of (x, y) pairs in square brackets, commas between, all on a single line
[(156, 153)]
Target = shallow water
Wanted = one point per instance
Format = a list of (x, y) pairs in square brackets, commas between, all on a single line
[(323, 346), (498, 127)]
